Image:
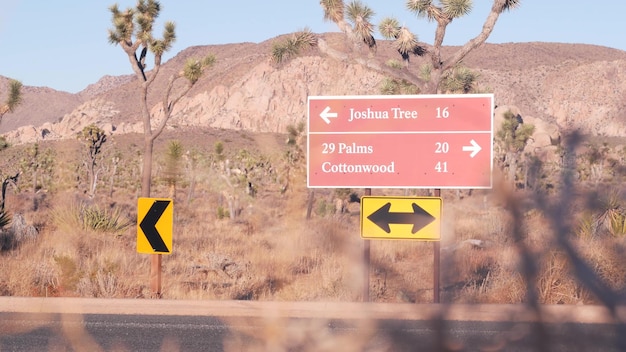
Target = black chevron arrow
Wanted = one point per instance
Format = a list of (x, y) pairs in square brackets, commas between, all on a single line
[(419, 218), (148, 225)]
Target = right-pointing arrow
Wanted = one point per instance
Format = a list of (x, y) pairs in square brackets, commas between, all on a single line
[(326, 115), (474, 148)]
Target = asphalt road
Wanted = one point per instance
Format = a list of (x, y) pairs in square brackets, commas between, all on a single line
[(74, 324)]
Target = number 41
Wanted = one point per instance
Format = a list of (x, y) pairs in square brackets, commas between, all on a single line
[(441, 167)]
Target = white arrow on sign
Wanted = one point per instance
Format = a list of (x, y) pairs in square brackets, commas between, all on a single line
[(326, 115), (474, 148)]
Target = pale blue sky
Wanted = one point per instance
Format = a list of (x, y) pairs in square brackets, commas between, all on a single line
[(63, 44)]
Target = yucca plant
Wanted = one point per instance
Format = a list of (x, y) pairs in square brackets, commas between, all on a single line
[(173, 165), (14, 98), (102, 220), (617, 223), (425, 72), (360, 15), (404, 40), (459, 80), (613, 214), (389, 86), (394, 64), (293, 45), (392, 86), (194, 68), (587, 226)]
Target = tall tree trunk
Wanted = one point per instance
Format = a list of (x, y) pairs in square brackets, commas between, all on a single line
[(148, 141), (94, 185), (192, 188), (309, 205), (112, 180), (512, 161), (146, 174), (35, 176)]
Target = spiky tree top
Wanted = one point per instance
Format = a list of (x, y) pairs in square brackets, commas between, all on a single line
[(14, 98), (443, 12), (359, 16), (132, 30)]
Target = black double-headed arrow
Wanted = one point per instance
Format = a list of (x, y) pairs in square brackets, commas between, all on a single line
[(419, 218), (148, 226)]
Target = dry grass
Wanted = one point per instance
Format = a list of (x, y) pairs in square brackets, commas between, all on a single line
[(498, 246), (270, 251)]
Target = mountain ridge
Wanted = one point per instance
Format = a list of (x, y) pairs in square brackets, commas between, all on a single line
[(570, 85)]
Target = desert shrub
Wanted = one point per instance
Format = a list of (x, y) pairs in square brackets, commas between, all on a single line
[(606, 255), (4, 144), (587, 225), (392, 63), (45, 280), (101, 283), (606, 214), (392, 86), (614, 214), (103, 220), (19, 232), (222, 213), (91, 217), (7, 240), (555, 282), (69, 272), (324, 208), (617, 223)]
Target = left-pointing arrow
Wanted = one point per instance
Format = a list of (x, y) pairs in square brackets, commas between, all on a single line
[(383, 217), (326, 115), (148, 226)]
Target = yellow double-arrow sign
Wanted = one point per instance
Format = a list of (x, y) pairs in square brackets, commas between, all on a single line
[(417, 218)]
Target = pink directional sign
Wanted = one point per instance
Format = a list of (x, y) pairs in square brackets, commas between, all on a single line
[(417, 141)]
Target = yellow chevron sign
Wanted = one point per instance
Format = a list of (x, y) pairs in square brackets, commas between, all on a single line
[(155, 222)]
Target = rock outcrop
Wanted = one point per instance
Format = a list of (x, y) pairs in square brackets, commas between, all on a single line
[(584, 90)]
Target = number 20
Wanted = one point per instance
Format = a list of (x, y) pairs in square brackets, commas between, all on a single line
[(442, 147)]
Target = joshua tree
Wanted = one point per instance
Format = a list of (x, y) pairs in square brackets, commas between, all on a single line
[(38, 164), (93, 137), (512, 137), (173, 166), (14, 98), (357, 27), (133, 31)]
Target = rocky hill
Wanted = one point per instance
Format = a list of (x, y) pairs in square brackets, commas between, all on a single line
[(39, 105), (566, 85)]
